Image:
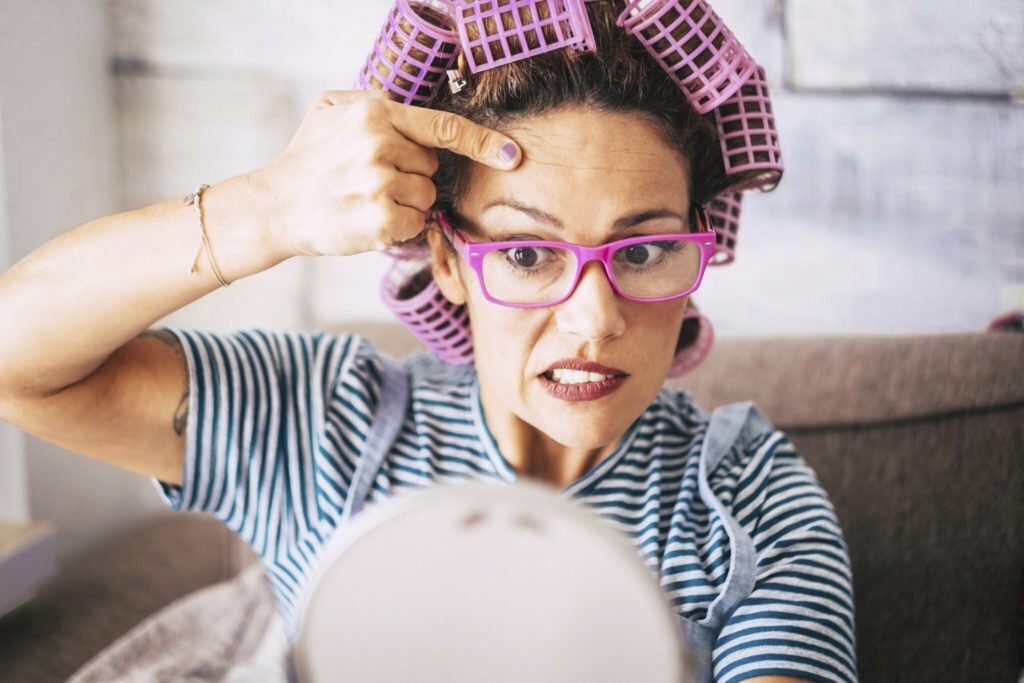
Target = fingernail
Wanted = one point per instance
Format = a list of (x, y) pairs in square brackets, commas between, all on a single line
[(508, 152)]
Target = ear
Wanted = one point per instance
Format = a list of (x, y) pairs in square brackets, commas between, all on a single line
[(444, 264)]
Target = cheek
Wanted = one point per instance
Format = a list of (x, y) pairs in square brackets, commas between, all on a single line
[(502, 334), (658, 326)]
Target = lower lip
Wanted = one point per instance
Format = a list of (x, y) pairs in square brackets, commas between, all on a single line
[(587, 391)]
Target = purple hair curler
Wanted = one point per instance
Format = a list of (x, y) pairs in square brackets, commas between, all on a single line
[(725, 212), (487, 42), (413, 52), (746, 129), (694, 354), (409, 290), (693, 45)]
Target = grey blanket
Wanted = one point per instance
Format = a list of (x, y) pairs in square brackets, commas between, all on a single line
[(227, 632)]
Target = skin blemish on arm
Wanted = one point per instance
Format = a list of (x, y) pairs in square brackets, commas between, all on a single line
[(180, 420)]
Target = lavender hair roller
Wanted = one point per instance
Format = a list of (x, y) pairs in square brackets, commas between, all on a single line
[(724, 211), (437, 322), (692, 43), (487, 43), (413, 52), (695, 353), (746, 128)]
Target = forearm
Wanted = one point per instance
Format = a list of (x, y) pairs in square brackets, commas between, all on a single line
[(67, 306)]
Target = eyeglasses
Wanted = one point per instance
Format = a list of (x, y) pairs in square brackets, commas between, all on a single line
[(535, 273)]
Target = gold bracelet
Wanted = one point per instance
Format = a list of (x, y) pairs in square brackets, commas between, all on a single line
[(195, 200)]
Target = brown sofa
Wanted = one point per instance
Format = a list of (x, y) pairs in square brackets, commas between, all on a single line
[(919, 440)]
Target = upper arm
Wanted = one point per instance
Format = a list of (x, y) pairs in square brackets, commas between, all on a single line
[(130, 412)]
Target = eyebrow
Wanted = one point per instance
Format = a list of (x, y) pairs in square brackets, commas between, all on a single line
[(620, 224)]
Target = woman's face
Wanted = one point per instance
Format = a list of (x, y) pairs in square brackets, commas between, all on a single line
[(582, 173)]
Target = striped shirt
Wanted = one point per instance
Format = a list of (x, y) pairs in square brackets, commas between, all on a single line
[(277, 423)]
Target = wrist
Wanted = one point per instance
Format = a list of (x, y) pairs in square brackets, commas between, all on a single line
[(240, 220), (265, 212)]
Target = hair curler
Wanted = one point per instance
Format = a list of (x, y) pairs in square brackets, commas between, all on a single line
[(413, 52)]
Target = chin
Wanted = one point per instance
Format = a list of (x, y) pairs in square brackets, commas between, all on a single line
[(579, 436)]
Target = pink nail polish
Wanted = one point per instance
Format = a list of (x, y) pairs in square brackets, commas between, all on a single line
[(508, 151)]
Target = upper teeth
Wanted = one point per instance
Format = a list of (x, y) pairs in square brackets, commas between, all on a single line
[(566, 376)]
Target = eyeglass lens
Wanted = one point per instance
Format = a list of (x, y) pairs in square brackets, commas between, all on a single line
[(536, 275)]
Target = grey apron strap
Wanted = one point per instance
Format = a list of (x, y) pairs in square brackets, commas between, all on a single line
[(391, 407), (738, 421)]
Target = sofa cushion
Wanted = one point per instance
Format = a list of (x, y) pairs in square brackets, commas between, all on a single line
[(920, 443), (810, 382)]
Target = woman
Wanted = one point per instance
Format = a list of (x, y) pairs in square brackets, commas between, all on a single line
[(273, 433)]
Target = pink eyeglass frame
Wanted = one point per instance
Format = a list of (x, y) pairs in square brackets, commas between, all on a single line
[(474, 252)]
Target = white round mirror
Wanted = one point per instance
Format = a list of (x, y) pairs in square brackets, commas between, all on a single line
[(477, 582)]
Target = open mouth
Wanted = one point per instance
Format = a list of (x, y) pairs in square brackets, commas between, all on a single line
[(567, 376)]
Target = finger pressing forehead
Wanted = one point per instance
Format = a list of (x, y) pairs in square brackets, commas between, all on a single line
[(446, 130)]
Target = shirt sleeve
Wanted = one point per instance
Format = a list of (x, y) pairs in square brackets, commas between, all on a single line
[(799, 619), (276, 424)]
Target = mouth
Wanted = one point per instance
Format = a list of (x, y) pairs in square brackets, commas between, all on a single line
[(575, 371), (566, 376), (576, 380)]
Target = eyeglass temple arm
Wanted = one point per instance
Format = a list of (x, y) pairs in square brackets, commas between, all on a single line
[(701, 218), (451, 233)]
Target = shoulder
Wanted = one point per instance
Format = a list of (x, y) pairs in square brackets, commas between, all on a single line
[(426, 368), (737, 442)]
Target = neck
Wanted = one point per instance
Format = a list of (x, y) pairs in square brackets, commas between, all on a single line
[(532, 453)]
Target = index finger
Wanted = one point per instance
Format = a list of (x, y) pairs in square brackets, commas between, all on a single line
[(450, 131)]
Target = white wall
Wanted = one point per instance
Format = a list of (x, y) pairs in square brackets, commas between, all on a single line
[(59, 169), (13, 483), (209, 90), (900, 211)]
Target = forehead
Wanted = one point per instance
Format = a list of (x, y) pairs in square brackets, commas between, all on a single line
[(586, 166)]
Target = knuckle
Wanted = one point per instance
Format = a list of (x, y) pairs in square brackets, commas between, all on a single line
[(403, 221), (366, 110), (379, 153), (380, 177), (433, 164), (429, 194), (478, 143), (380, 213), (446, 129)]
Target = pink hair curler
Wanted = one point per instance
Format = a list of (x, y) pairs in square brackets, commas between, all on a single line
[(694, 354), (693, 45), (746, 129), (409, 290), (487, 43), (413, 52), (725, 210)]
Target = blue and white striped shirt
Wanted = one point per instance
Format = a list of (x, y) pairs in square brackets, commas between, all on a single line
[(277, 423)]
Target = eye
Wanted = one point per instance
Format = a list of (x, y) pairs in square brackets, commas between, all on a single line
[(648, 253), (639, 254), (525, 257)]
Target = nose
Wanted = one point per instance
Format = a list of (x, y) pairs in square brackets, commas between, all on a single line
[(593, 310)]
